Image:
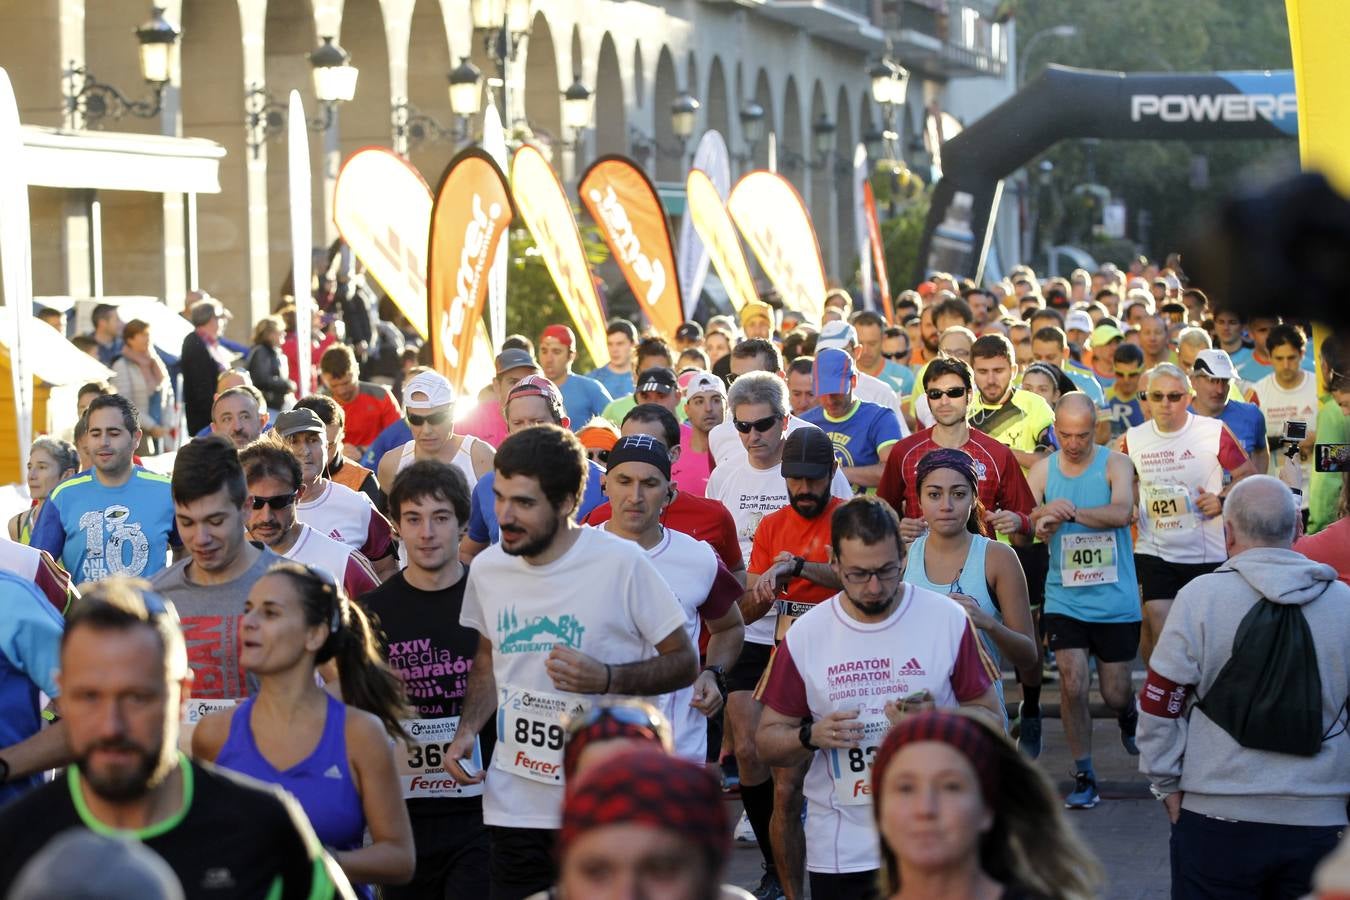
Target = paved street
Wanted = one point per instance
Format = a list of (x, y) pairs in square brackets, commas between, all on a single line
[(1127, 830)]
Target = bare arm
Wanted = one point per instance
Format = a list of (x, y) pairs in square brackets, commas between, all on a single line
[(779, 743), (210, 734), (482, 455), (726, 637), (986, 706), (48, 749), (1116, 514), (1016, 638), (674, 666), (389, 857), (1261, 458), (386, 568)]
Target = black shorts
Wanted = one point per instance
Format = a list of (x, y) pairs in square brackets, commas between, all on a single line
[(1108, 641), (750, 665), (523, 861), (1035, 562), (1163, 580)]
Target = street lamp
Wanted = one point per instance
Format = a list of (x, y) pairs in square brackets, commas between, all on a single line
[(823, 131), (503, 24), (576, 112), (1065, 32), (334, 82), (94, 101), (682, 114), (752, 128), (334, 74), (466, 89)]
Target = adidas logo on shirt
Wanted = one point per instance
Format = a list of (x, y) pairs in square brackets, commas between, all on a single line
[(335, 535), (1188, 455), (333, 772), (912, 667)]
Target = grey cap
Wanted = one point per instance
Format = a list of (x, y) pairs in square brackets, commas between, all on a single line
[(81, 865), (298, 420), (204, 311), (515, 358)]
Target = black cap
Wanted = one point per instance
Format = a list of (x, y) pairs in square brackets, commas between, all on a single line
[(689, 331), (657, 378), (808, 452)]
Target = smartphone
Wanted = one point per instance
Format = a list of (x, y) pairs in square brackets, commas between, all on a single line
[(1331, 457)]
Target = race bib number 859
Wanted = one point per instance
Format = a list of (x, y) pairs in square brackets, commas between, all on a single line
[(530, 733)]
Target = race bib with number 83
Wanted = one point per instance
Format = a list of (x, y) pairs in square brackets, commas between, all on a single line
[(851, 768)]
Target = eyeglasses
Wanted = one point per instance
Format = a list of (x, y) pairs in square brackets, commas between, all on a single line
[(760, 425), (280, 501), (903, 354), (939, 393), (1170, 396), (885, 575), (439, 418), (1135, 374)]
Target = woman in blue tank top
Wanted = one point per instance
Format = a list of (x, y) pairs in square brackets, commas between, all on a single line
[(337, 760), (954, 557)]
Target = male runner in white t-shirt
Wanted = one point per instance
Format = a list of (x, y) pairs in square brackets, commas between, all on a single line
[(345, 515), (1181, 459), (638, 484), (853, 665), (1288, 394), (564, 613)]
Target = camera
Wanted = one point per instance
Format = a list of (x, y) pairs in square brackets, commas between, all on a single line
[(1331, 457)]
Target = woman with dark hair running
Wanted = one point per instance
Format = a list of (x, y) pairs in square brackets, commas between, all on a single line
[(963, 815), (336, 759)]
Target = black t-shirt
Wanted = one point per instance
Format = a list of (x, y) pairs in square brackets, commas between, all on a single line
[(235, 837), (425, 644)]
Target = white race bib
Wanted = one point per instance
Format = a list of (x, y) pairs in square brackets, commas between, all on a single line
[(851, 769), (530, 733), (195, 712), (421, 763), (1168, 506), (1087, 558)]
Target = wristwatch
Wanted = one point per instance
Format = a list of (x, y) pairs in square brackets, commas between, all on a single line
[(719, 677), (798, 563), (4, 771), (804, 735)]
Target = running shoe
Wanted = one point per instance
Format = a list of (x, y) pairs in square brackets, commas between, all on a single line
[(1128, 723), (1084, 794), (769, 888), (744, 834), (1029, 735), (731, 776)]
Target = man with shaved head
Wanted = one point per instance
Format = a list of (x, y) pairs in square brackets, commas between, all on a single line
[(1085, 498)]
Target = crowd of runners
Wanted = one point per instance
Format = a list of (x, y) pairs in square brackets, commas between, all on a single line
[(370, 636)]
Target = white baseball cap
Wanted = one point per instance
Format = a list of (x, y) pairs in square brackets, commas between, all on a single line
[(1078, 320), (837, 335), (1213, 364), (703, 383), (433, 386)]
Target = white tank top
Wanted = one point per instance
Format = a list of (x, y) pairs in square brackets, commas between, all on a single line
[(463, 461)]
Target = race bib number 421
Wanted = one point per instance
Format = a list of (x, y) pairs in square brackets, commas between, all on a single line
[(421, 762)]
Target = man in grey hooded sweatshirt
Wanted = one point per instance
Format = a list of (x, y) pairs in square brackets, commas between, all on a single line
[(1245, 822)]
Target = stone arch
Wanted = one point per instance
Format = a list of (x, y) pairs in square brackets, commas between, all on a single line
[(822, 183), (429, 62), (366, 120), (288, 38), (35, 58), (790, 143), (718, 111), (845, 141), (666, 88), (112, 55), (764, 97), (639, 77), (611, 119), (213, 107), (543, 95)]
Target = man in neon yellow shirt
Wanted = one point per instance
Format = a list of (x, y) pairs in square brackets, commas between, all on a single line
[(1018, 419)]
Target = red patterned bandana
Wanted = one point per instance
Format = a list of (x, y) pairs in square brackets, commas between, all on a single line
[(969, 739)]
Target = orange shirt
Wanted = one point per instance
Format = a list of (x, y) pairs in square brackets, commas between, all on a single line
[(787, 530)]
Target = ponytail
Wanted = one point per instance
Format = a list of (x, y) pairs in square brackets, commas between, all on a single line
[(367, 681)]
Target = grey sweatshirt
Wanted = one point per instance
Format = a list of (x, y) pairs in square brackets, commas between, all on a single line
[(1182, 749)]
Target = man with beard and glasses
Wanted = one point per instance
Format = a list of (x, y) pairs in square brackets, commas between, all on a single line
[(638, 483), (424, 642), (564, 614), (275, 486), (848, 670), (790, 570), (751, 487), (125, 683)]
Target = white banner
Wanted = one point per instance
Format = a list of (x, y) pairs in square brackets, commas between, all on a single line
[(862, 244), (16, 262), (302, 238), (494, 142), (691, 257)]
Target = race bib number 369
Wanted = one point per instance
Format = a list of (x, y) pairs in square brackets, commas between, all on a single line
[(530, 733), (421, 762)]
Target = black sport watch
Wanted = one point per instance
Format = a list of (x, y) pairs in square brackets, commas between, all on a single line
[(719, 677), (804, 735)]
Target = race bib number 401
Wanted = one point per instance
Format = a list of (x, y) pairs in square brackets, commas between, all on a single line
[(1086, 559), (421, 762), (851, 769), (530, 732)]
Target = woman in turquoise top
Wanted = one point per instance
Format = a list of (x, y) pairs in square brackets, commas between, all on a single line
[(954, 557)]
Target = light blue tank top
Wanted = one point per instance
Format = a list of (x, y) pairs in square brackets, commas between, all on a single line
[(1116, 601), (322, 782), (970, 581)]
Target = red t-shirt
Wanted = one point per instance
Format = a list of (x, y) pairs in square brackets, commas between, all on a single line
[(371, 412), (1002, 484), (698, 517), (1331, 545)]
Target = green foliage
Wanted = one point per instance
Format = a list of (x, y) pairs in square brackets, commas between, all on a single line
[(532, 300), (1154, 177), (900, 240)]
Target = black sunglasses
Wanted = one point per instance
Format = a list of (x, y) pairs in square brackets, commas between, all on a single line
[(600, 456), (939, 393), (280, 501), (760, 425), (434, 419), (903, 354)]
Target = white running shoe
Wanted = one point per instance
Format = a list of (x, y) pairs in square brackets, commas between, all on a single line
[(744, 833)]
